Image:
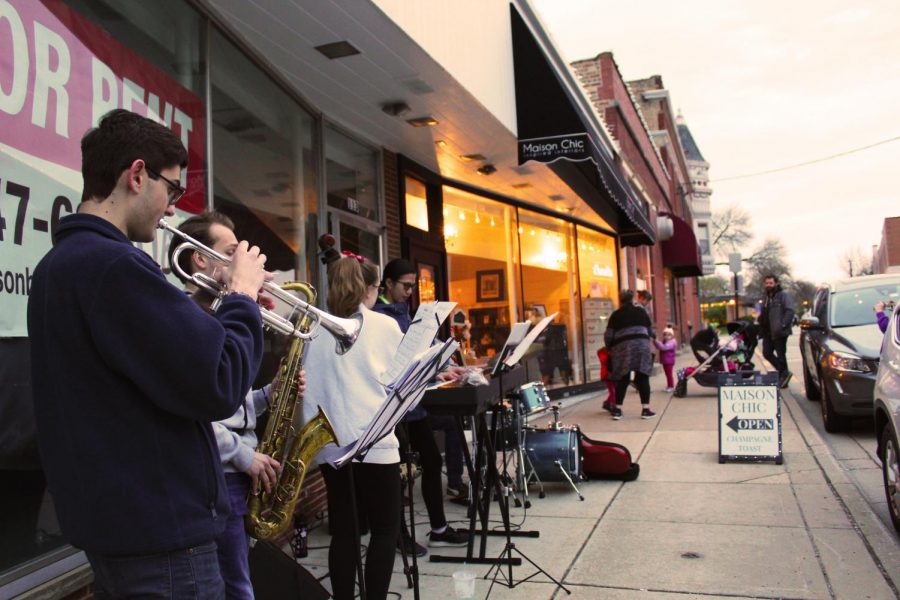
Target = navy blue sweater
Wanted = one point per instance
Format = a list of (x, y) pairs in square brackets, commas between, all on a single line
[(127, 374)]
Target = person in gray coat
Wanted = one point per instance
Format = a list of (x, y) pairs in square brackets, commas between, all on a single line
[(775, 320), (627, 338)]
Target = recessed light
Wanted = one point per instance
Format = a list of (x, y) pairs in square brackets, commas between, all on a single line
[(521, 186), (338, 49), (487, 169), (471, 157), (440, 144), (395, 109), (557, 197), (423, 122)]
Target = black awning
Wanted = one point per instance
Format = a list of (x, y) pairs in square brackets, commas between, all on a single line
[(552, 130), (681, 253)]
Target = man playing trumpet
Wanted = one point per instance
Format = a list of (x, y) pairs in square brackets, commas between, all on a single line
[(128, 373)]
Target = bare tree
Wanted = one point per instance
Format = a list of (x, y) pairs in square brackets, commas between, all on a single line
[(767, 259), (730, 230), (855, 263), (712, 286), (803, 292)]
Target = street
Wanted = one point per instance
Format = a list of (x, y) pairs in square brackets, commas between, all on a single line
[(854, 450)]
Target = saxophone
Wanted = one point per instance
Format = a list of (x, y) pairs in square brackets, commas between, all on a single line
[(271, 513)]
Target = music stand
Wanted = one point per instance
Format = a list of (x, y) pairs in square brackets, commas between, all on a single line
[(506, 556), (404, 393)]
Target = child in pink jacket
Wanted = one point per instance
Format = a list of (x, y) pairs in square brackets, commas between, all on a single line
[(666, 348)]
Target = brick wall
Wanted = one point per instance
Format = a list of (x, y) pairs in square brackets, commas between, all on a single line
[(392, 204)]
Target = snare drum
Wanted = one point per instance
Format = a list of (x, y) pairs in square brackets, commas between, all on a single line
[(533, 398), (546, 446)]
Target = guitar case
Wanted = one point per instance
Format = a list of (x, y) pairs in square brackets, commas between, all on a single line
[(607, 460)]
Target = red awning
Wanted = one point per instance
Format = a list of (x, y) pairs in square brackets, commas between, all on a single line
[(681, 253)]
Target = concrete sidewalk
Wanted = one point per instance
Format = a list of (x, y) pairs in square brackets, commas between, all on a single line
[(689, 527)]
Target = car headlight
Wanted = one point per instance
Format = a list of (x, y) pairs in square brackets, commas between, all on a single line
[(842, 361)]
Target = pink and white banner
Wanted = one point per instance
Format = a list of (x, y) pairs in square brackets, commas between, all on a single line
[(59, 73)]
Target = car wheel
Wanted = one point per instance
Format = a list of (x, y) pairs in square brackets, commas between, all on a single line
[(890, 470), (833, 422), (812, 392)]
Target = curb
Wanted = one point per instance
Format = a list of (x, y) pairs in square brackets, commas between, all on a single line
[(880, 542)]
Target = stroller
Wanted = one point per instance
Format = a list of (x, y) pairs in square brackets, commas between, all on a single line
[(715, 357)]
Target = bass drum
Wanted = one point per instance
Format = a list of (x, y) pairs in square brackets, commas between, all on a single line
[(546, 447)]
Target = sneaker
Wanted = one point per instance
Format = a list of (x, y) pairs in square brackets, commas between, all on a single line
[(616, 414), (449, 537), (785, 379), (608, 406), (418, 549), (669, 390), (647, 414)]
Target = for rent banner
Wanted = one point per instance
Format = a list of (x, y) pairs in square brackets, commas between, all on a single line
[(59, 73)]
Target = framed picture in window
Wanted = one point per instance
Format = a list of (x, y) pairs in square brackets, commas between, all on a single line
[(490, 285)]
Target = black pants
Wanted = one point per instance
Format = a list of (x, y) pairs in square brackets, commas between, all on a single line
[(378, 503), (421, 438), (775, 352), (642, 382)]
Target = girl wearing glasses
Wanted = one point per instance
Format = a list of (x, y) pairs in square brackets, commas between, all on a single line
[(399, 279)]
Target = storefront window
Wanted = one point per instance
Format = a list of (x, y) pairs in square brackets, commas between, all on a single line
[(549, 286), (481, 249), (263, 162), (416, 204), (65, 65), (351, 180), (597, 270)]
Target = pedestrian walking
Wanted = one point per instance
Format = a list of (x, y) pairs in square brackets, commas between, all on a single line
[(667, 346), (775, 320), (627, 337)]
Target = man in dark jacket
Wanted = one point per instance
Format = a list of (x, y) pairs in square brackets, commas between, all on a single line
[(128, 372), (775, 321)]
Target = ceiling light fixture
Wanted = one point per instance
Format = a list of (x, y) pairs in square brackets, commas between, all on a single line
[(395, 109), (423, 121), (340, 49), (487, 169), (471, 157)]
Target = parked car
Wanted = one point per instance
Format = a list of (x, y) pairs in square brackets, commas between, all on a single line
[(840, 344), (887, 416)]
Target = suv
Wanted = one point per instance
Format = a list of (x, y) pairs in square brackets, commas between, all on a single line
[(840, 343), (887, 417)]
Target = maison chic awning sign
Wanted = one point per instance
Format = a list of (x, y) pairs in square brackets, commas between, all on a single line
[(749, 423), (573, 146)]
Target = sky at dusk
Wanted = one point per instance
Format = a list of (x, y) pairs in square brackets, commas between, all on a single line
[(763, 85)]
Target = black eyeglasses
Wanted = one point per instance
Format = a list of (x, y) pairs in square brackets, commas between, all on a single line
[(175, 189), (407, 285)]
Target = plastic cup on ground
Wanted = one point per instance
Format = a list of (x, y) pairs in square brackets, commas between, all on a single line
[(464, 584)]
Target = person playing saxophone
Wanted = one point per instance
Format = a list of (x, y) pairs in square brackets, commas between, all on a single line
[(245, 468)]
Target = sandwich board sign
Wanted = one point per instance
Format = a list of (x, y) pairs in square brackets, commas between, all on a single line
[(750, 422)]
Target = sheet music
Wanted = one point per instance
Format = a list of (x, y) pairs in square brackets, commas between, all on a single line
[(516, 335), (523, 346), (404, 394), (418, 337)]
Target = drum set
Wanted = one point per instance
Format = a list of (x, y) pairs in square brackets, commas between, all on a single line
[(537, 454)]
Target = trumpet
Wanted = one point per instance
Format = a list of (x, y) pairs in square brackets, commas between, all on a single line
[(344, 331)]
